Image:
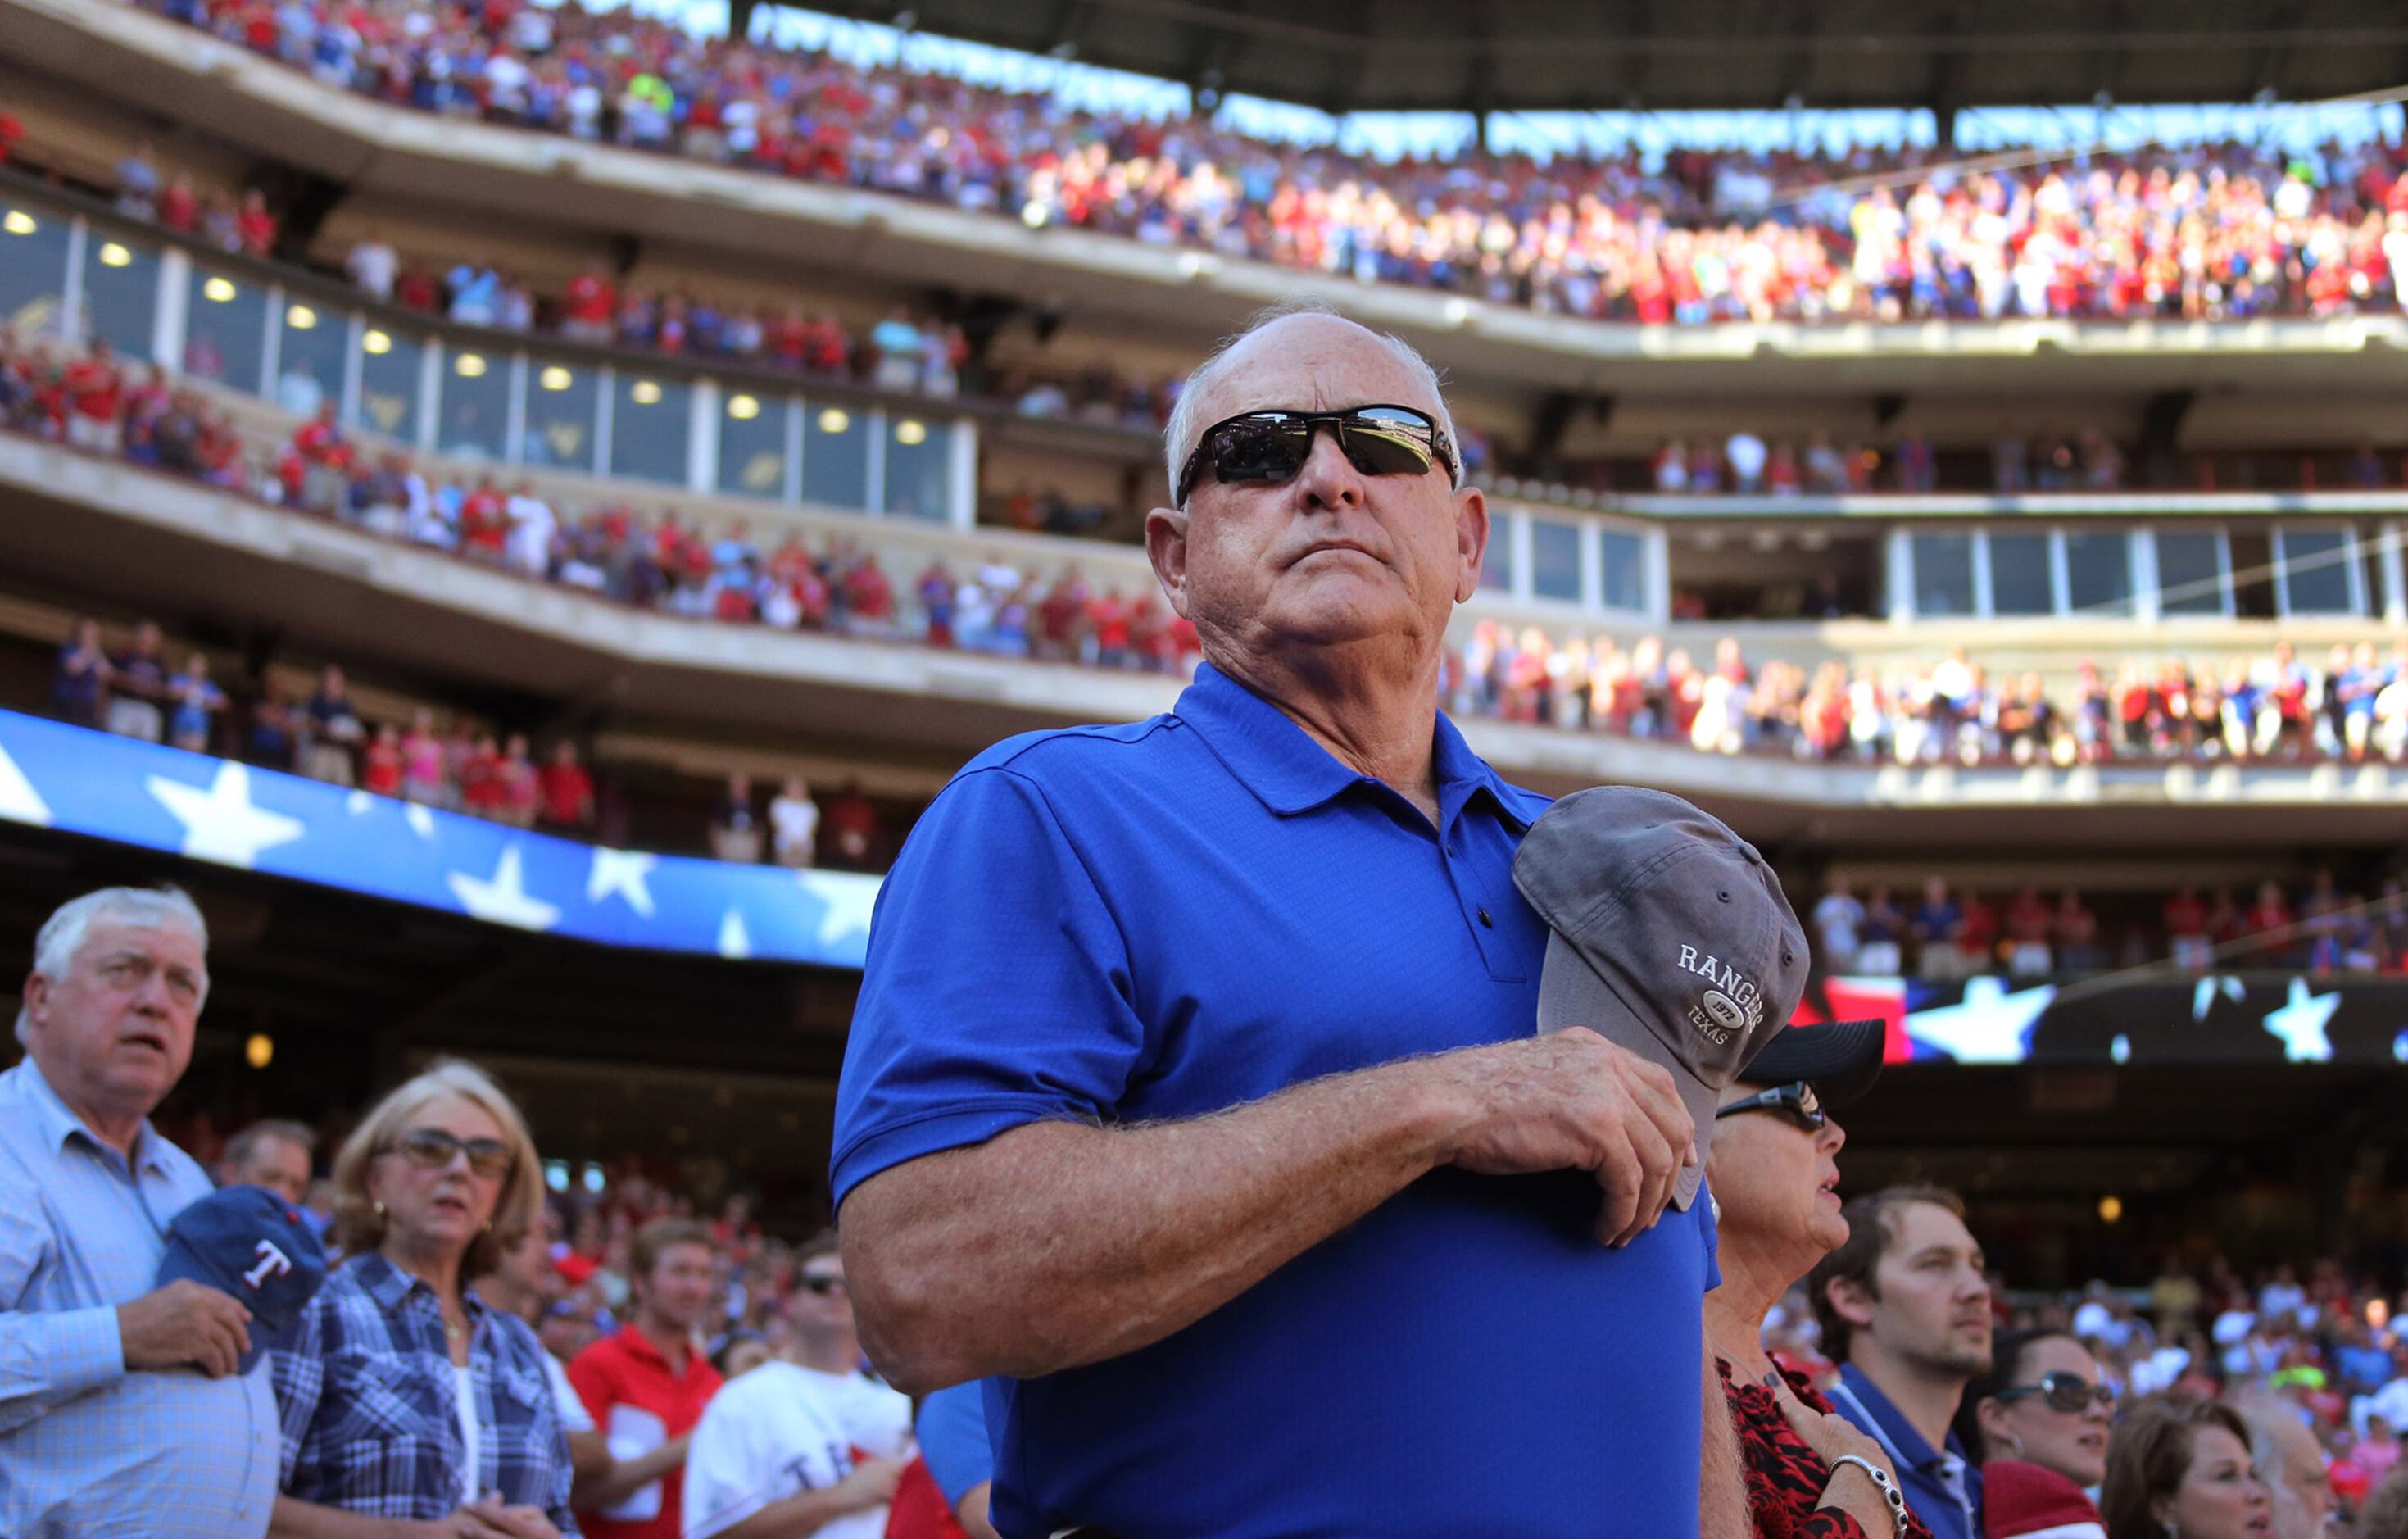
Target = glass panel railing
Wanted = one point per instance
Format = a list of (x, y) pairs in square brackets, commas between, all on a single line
[(2021, 579), (561, 401), (2190, 573), (919, 467), (2313, 566), (753, 452), (836, 455), (33, 269), (650, 418), (313, 345), (121, 292), (472, 413), (2098, 574), (225, 331), (1944, 576), (392, 374)]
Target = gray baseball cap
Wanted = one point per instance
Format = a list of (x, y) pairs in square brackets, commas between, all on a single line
[(1670, 937)]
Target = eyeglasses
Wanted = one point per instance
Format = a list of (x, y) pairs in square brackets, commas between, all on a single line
[(822, 1286), (1798, 1102), (1268, 448), (2067, 1392), (432, 1149)]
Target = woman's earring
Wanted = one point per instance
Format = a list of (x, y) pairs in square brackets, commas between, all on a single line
[(380, 1209), (2016, 1444)]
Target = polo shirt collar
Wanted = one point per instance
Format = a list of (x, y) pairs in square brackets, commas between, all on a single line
[(1898, 1431), (59, 1123), (1290, 773)]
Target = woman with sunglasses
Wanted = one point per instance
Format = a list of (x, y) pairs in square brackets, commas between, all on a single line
[(1773, 1169), (409, 1406), (2043, 1402)]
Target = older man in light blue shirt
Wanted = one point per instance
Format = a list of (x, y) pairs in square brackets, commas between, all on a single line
[(121, 1410)]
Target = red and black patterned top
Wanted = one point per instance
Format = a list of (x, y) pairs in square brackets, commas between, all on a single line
[(1785, 1478)]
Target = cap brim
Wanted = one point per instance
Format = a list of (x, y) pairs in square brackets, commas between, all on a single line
[(1571, 994), (179, 1262), (1841, 1059)]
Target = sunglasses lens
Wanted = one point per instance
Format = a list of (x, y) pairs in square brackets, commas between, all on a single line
[(1260, 449), (2073, 1396), (488, 1157), (428, 1147), (1385, 442)]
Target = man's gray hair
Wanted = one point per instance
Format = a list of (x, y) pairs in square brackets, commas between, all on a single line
[(1179, 433), (62, 934)]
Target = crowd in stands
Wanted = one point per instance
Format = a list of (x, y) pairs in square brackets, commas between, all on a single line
[(2276, 707), (1951, 933), (2208, 231)]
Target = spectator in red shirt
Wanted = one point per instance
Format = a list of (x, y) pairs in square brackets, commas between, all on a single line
[(589, 309), (646, 1383), (481, 791), (12, 133), (567, 791), (2187, 926), (2077, 935), (1977, 933), (851, 828), (2269, 918), (484, 523), (180, 206), (96, 393), (255, 226), (380, 762), (2028, 923), (521, 789)]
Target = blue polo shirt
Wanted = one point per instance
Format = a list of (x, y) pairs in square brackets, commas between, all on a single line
[(1171, 918), (1942, 1486)]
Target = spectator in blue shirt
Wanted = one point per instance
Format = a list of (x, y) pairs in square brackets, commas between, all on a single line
[(1194, 1097), (952, 1433), (104, 1427), (1904, 1307), (402, 1395)]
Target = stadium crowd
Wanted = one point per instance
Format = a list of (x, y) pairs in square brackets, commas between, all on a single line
[(631, 1355), (2208, 231), (2275, 707)]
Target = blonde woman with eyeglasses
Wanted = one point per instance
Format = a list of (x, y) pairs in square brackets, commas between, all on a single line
[(409, 1406)]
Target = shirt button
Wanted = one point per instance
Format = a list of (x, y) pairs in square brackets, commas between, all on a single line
[(1486, 920)]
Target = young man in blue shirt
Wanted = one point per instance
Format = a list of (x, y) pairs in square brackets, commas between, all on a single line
[(1904, 1307), (1195, 1098)]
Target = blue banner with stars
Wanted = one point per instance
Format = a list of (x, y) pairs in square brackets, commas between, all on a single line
[(56, 776)]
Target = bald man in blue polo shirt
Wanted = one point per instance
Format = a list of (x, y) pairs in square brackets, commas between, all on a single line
[(1194, 1097)]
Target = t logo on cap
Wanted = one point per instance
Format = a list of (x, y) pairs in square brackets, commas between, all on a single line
[(250, 1243), (1646, 895)]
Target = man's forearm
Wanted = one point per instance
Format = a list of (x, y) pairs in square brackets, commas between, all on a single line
[(1060, 1244), (626, 1477), (47, 1357)]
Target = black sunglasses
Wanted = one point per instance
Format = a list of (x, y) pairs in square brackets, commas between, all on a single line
[(432, 1149), (2067, 1392), (822, 1286), (1798, 1102), (1267, 448)]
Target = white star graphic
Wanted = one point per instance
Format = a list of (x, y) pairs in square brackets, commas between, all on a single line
[(503, 900), (19, 802), (734, 942), (1990, 1026), (2204, 993), (621, 871), (359, 802), (2300, 1023), (222, 824), (846, 900), (421, 821)]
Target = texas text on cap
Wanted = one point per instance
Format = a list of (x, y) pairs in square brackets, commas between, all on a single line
[(1670, 937), (247, 1241)]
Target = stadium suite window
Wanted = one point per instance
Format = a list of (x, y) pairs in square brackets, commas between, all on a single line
[(1625, 570), (392, 368), (836, 457), (2313, 566), (1555, 560), (121, 292), (919, 467), (309, 353), (1496, 561), (2190, 573), (2021, 574), (33, 269), (472, 413), (1944, 576), (650, 420), (560, 406), (225, 332), (2099, 573), (753, 445)]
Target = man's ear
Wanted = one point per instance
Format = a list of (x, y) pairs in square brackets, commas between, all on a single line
[(1851, 1301), (36, 997), (1166, 546), (1471, 531)]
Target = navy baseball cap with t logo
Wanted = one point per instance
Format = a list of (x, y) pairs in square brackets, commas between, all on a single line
[(1670, 936), (249, 1243)]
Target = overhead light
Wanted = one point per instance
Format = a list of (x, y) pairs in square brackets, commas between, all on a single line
[(300, 317), (19, 223), (2111, 1209), (376, 341), (218, 290), (114, 254), (260, 1050), (644, 393), (468, 366), (834, 419), (554, 378), (910, 430), (744, 407)]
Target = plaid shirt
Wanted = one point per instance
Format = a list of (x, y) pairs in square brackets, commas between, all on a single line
[(371, 1420)]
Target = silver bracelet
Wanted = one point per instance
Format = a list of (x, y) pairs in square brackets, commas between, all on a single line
[(1890, 1494)]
